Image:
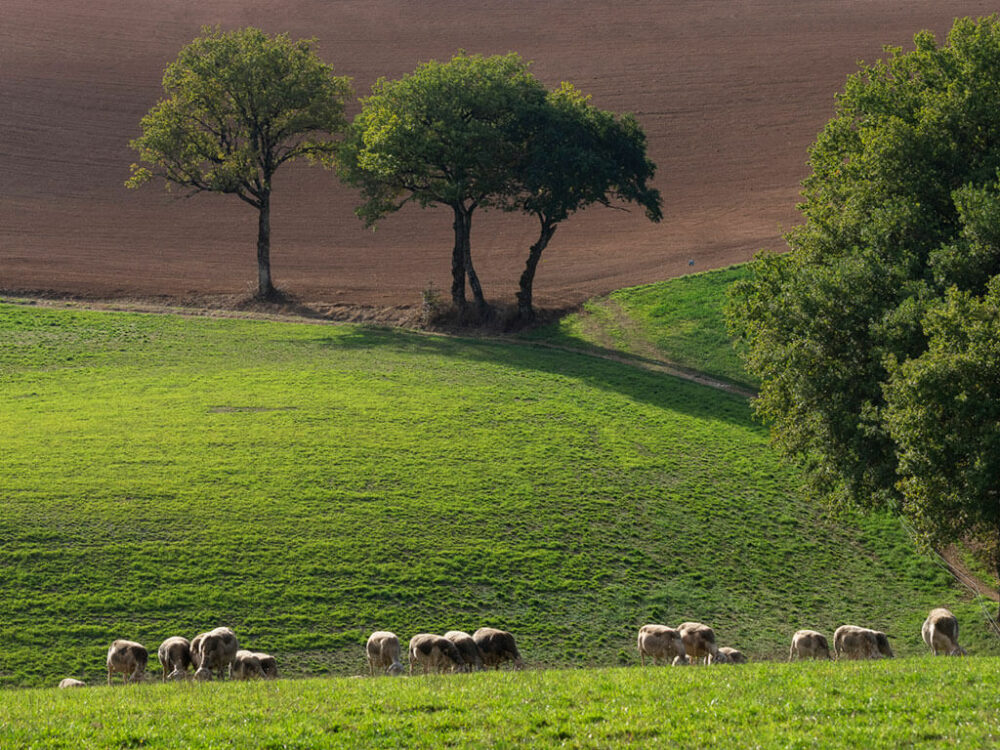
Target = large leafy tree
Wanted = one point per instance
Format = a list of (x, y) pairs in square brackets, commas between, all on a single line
[(944, 415), (902, 213), (577, 155), (239, 105), (448, 134)]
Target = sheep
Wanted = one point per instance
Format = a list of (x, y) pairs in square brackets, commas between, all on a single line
[(435, 652), (196, 650), (496, 647), (809, 644), (175, 657), (69, 682), (216, 650), (733, 656), (270, 665), (467, 647), (661, 643), (245, 666), (699, 641), (882, 644), (127, 658), (855, 642), (940, 633), (382, 650)]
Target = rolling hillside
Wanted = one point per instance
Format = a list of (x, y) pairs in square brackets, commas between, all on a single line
[(306, 484)]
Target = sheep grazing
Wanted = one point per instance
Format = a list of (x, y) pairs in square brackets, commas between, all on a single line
[(127, 658), (382, 650), (175, 657), (497, 647), (699, 641), (434, 652), (882, 644), (69, 682), (216, 650), (245, 666), (270, 665), (467, 647), (662, 644), (809, 644), (853, 642), (940, 633), (733, 656)]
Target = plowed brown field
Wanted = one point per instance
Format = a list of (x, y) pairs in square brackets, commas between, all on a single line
[(730, 92)]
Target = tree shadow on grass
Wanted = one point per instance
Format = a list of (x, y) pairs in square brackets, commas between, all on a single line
[(658, 389)]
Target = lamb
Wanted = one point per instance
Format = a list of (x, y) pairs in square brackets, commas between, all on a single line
[(809, 644), (854, 642), (175, 657), (733, 656), (270, 665), (940, 633), (661, 643), (435, 652), (245, 666), (382, 650), (497, 647), (699, 641), (69, 682), (215, 651), (127, 658), (467, 647)]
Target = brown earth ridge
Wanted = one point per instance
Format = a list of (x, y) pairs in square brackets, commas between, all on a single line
[(730, 94)]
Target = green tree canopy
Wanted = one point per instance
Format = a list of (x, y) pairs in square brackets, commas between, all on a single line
[(576, 155), (902, 213), (944, 415), (239, 105), (447, 134)]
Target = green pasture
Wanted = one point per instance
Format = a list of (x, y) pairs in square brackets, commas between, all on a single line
[(306, 484), (921, 702), (680, 321)]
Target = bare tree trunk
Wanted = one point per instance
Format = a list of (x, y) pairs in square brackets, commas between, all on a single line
[(265, 289), (470, 271), (461, 228), (525, 310)]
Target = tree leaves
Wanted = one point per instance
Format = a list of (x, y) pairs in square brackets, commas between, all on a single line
[(875, 338)]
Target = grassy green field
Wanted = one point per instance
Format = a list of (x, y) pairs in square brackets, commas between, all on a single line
[(921, 702), (307, 484), (680, 321)]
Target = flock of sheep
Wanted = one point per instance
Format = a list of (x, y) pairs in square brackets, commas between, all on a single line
[(690, 642), (217, 651)]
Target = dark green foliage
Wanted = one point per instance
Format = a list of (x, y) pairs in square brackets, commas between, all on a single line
[(447, 134), (944, 413), (576, 155), (901, 215)]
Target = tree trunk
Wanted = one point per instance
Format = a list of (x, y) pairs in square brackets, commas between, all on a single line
[(461, 227), (265, 289), (525, 311), (470, 271)]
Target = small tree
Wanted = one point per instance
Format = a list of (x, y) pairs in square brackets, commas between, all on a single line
[(240, 104), (576, 155), (448, 134)]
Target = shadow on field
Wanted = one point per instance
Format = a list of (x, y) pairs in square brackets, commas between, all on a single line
[(660, 390)]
